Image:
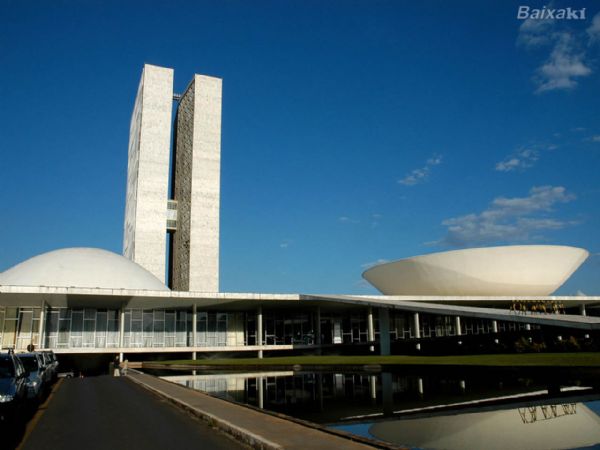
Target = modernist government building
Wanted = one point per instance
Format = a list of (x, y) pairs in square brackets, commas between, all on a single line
[(161, 297)]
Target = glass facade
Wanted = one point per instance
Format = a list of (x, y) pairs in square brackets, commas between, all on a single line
[(86, 328)]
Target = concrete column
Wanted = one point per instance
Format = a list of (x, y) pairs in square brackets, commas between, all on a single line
[(259, 331), (121, 331), (495, 330), (370, 329), (384, 331), (260, 392), (457, 325), (318, 326), (42, 325), (373, 386), (416, 325), (417, 329), (420, 386), (582, 310), (194, 329)]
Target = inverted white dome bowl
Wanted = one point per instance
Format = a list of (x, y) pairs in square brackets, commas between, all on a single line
[(81, 268), (504, 271)]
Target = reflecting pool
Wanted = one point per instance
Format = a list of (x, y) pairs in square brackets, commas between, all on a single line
[(426, 408)]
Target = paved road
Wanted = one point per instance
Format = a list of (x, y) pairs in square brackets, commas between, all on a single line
[(112, 413)]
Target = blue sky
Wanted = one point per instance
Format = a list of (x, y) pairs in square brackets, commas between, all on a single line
[(353, 131)]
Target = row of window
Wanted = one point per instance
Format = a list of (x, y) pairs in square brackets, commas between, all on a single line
[(99, 328)]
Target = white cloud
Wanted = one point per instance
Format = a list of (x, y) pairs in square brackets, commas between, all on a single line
[(535, 32), (346, 219), (594, 30), (509, 219), (567, 61), (415, 177), (520, 160), (435, 160), (595, 138), (421, 174), (564, 65)]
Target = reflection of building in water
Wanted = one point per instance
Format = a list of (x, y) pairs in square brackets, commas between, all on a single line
[(575, 426), (235, 386), (302, 394), (530, 413), (283, 388)]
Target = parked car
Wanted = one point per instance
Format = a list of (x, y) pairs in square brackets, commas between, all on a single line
[(51, 365), (54, 363), (67, 374), (34, 367), (13, 389)]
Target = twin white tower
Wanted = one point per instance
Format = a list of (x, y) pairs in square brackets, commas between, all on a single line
[(173, 196)]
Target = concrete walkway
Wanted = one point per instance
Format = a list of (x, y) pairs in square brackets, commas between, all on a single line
[(253, 427)]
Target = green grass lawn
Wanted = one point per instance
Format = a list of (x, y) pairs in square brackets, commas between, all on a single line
[(522, 359)]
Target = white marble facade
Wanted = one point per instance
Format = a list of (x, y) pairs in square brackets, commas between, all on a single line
[(197, 156), (144, 239)]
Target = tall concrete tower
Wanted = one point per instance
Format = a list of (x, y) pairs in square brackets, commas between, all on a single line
[(197, 187), (191, 216), (144, 239)]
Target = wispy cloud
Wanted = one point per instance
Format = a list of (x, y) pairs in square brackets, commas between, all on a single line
[(285, 243), (565, 64), (370, 264), (595, 138), (421, 174), (594, 30), (535, 32), (509, 220), (568, 58), (346, 219), (522, 159)]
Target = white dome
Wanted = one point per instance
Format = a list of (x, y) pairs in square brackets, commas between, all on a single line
[(81, 268), (510, 271)]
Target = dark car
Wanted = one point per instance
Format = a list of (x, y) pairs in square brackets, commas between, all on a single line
[(34, 368), (51, 364), (13, 389)]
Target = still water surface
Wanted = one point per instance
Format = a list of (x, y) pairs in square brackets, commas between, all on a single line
[(425, 408)]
